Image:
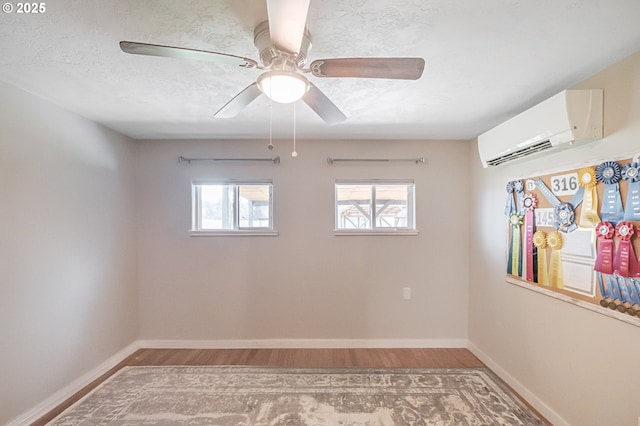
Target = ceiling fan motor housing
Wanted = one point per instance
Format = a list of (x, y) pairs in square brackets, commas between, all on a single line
[(273, 57)]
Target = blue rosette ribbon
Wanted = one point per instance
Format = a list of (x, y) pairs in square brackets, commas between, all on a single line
[(631, 174), (510, 207), (564, 214), (610, 173), (564, 217), (518, 187)]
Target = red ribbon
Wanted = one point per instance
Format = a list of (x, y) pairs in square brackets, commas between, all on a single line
[(604, 257), (625, 262)]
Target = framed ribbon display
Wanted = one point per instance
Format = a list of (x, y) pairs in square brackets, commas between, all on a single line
[(573, 234)]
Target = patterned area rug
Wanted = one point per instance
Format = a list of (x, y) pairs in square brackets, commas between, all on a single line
[(233, 395)]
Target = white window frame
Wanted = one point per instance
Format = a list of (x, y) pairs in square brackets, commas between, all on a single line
[(411, 208), (196, 210)]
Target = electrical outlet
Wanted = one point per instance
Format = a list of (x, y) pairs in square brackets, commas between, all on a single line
[(406, 293)]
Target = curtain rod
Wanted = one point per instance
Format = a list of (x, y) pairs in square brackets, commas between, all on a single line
[(275, 160), (331, 160)]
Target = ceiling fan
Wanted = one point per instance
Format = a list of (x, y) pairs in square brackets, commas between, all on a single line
[(283, 43)]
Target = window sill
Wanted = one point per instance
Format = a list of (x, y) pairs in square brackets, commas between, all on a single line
[(243, 233), (395, 232)]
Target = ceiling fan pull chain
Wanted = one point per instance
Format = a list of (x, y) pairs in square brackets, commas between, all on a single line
[(270, 125), (294, 153)]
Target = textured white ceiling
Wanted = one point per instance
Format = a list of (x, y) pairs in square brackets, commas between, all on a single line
[(485, 62)]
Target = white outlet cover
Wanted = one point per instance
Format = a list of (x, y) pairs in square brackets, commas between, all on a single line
[(406, 293)]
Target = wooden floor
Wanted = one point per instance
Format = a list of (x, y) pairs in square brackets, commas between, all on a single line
[(310, 358), (303, 358)]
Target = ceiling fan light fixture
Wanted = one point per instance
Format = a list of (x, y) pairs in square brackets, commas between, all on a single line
[(284, 87)]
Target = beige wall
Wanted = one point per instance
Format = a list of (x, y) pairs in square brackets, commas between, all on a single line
[(306, 283), (68, 297), (582, 365)]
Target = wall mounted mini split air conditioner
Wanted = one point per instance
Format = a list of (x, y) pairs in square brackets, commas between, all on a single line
[(568, 117)]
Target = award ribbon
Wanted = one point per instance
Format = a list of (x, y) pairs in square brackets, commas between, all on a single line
[(565, 217), (604, 292), (518, 187), (540, 241), (610, 174), (634, 296), (554, 241), (614, 288), (510, 206), (636, 285), (514, 266), (589, 214), (547, 192), (625, 262), (576, 200), (604, 256), (631, 173), (529, 203), (564, 213), (624, 291)]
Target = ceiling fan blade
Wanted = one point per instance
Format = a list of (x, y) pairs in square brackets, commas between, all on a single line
[(239, 102), (287, 20), (322, 105), (396, 68), (184, 53)]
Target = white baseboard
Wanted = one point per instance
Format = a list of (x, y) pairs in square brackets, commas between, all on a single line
[(72, 388), (529, 396), (303, 343)]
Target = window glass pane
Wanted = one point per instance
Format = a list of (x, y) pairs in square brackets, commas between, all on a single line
[(217, 206), (254, 204), (391, 203), (232, 206), (384, 206), (353, 206)]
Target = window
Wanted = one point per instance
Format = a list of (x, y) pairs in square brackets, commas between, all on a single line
[(232, 207), (381, 206)]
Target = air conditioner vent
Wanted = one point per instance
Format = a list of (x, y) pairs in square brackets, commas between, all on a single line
[(532, 149), (571, 116)]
